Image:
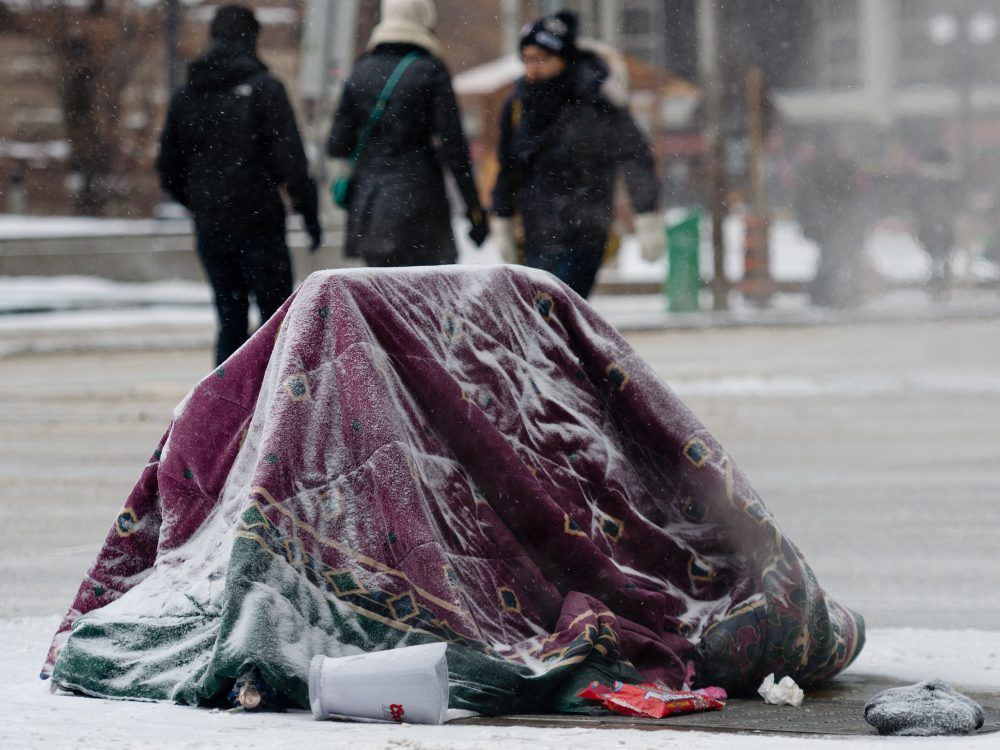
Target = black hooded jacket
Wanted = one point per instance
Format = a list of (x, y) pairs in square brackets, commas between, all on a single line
[(229, 142), (561, 144)]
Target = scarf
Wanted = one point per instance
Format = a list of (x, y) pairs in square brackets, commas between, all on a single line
[(541, 102)]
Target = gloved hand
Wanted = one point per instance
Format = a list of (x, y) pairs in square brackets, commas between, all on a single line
[(503, 230), (315, 232), (652, 236), (340, 183), (480, 226)]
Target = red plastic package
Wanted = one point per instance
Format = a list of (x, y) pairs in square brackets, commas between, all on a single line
[(652, 700)]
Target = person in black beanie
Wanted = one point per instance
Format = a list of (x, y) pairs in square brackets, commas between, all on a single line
[(564, 135), (229, 145)]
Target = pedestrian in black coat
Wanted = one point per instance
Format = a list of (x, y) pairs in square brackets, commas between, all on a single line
[(936, 201), (398, 213), (229, 144), (829, 206), (562, 142)]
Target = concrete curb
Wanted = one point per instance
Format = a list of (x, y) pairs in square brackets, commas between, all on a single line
[(60, 333)]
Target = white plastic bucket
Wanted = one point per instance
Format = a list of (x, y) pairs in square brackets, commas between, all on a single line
[(400, 685)]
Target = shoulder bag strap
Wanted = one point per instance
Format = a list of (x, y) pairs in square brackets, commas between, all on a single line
[(380, 105)]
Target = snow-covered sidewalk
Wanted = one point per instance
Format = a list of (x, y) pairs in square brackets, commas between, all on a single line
[(865, 465), (893, 256), (35, 718), (65, 314)]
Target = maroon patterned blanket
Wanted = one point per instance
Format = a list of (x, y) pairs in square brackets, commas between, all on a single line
[(466, 455)]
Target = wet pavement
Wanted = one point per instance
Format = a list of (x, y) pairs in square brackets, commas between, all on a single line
[(835, 709)]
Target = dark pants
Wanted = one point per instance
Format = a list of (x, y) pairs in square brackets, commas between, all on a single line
[(837, 282), (240, 263), (577, 266), (938, 240)]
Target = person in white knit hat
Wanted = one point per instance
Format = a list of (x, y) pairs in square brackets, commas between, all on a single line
[(410, 21), (398, 212)]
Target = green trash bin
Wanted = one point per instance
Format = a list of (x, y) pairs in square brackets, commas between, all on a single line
[(683, 279)]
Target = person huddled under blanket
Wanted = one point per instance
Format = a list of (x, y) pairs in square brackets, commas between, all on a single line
[(468, 455)]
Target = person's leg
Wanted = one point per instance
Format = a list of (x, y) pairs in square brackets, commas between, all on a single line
[(267, 269), (583, 265), (940, 277), (937, 243), (220, 256), (577, 266)]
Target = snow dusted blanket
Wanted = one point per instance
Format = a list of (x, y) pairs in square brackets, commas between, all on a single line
[(469, 455)]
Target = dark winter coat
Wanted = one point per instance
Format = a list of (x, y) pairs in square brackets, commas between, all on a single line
[(399, 207), (230, 141), (828, 204), (934, 208), (827, 196), (561, 144)]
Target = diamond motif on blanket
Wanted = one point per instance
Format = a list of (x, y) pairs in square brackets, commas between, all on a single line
[(509, 600), (612, 528), (544, 305), (697, 452), (344, 582), (572, 528), (618, 376), (126, 522), (297, 386), (403, 606)]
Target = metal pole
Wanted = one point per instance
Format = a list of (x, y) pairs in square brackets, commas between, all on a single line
[(965, 81), (314, 55), (327, 52), (609, 22), (511, 25), (965, 128), (713, 143), (757, 283), (548, 7), (171, 21)]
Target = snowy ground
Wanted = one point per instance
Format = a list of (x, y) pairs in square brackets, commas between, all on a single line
[(36, 719), (13, 226)]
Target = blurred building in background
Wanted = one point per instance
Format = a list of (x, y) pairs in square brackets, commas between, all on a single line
[(85, 82), (896, 82), (84, 91)]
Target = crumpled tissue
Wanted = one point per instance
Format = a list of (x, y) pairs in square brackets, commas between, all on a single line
[(785, 691)]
